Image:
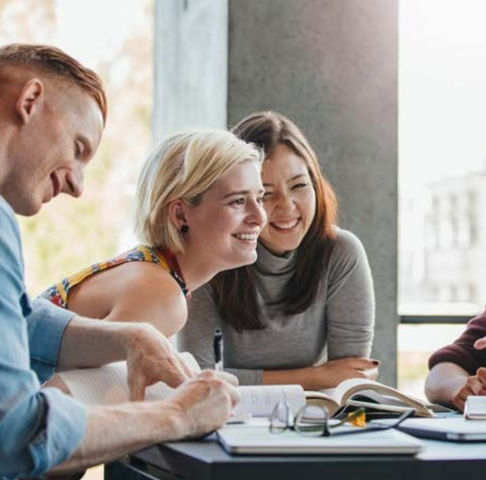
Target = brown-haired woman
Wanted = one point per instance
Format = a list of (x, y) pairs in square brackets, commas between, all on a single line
[(304, 312)]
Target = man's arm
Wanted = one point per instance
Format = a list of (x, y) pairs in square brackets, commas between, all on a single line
[(38, 429), (199, 406), (443, 381), (450, 385), (456, 370), (462, 351)]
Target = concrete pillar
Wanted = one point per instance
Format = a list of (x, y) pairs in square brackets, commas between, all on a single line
[(331, 66), (190, 65)]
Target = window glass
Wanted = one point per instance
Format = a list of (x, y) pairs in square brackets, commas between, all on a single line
[(415, 345), (442, 173), (442, 156), (115, 39)]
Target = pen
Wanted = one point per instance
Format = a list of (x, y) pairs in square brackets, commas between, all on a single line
[(218, 350)]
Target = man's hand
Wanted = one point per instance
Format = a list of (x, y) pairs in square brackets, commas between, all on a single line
[(204, 403), (199, 406), (474, 385), (57, 382), (151, 358), (333, 372)]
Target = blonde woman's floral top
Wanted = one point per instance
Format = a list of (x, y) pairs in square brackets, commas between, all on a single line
[(59, 293)]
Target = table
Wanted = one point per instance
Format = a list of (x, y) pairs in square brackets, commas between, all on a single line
[(205, 459)]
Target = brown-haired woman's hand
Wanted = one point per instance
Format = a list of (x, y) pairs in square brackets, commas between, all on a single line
[(333, 372)]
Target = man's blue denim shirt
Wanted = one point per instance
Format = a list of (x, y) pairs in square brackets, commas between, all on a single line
[(39, 428)]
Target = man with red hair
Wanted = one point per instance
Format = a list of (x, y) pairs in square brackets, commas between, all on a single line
[(52, 114)]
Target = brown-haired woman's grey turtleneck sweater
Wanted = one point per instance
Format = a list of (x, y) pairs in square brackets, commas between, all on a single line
[(338, 324)]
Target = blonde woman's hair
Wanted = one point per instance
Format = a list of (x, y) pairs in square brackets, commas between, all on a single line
[(184, 166)]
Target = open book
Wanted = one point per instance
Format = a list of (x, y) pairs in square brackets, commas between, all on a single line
[(107, 385), (374, 396), (355, 392)]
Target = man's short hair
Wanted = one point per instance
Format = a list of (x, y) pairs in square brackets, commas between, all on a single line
[(54, 61)]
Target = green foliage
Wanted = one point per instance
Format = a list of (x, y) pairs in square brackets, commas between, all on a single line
[(70, 234)]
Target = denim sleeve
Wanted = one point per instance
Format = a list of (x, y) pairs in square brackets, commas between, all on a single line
[(38, 428), (46, 324)]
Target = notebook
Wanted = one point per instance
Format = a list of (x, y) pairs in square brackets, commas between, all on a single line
[(254, 439), (475, 408), (455, 428)]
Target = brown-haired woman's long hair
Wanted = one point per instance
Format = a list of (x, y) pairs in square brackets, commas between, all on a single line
[(234, 290)]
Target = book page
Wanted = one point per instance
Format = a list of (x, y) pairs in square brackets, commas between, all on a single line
[(374, 396), (353, 385), (107, 385), (260, 400), (382, 394), (322, 398)]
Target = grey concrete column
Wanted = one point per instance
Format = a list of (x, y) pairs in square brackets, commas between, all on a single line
[(331, 66), (190, 65)]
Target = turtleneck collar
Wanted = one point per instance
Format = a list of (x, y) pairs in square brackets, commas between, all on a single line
[(270, 264)]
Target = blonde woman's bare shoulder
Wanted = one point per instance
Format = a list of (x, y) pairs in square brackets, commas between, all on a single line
[(148, 293)]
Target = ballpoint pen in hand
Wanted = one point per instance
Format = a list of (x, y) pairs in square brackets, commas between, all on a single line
[(218, 350)]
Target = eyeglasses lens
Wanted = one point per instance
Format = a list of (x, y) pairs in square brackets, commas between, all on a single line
[(311, 421), (279, 420)]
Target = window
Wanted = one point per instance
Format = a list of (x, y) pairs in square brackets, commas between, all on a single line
[(115, 39), (442, 175)]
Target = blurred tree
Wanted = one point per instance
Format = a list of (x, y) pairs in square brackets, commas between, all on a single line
[(69, 234)]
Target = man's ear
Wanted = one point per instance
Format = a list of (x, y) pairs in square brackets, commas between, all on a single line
[(30, 99), (177, 213)]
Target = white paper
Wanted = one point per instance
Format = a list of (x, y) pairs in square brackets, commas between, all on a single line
[(107, 385), (260, 400), (475, 408)]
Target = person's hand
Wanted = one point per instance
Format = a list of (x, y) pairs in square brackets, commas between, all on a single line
[(474, 385), (333, 372), (480, 343), (57, 382), (151, 358), (204, 403)]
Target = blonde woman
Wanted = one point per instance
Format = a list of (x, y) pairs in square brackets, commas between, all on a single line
[(199, 211)]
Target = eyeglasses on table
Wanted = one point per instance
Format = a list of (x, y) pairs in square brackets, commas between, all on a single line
[(314, 421)]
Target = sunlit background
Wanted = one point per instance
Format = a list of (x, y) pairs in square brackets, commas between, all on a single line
[(442, 173), (442, 153), (115, 38)]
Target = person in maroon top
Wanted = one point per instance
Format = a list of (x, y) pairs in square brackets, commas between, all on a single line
[(459, 369)]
